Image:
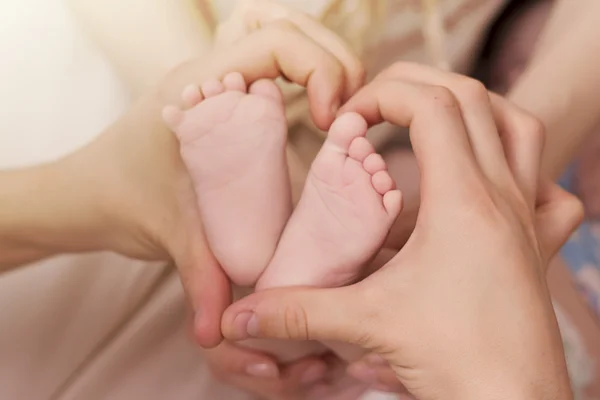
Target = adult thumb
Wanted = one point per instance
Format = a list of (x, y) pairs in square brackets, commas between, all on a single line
[(300, 314), (206, 285)]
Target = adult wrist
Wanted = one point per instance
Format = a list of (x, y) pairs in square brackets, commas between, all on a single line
[(524, 385), (48, 209)]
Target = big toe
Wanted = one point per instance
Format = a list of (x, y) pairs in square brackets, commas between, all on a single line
[(345, 129)]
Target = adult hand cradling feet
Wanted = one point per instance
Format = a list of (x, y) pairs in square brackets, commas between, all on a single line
[(128, 191), (462, 311)]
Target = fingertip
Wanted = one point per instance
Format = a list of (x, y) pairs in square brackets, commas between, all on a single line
[(364, 102), (356, 80), (306, 372), (209, 291), (207, 327), (205, 335), (264, 369), (325, 100), (321, 116)]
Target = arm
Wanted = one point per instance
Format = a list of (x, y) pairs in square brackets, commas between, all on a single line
[(44, 210), (561, 86), (144, 39)]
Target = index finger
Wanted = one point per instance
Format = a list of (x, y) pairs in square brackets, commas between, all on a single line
[(278, 49), (437, 130), (251, 15)]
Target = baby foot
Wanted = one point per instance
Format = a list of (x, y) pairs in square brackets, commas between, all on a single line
[(232, 141), (343, 217)]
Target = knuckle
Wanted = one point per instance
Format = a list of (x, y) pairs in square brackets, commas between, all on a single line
[(295, 323), (440, 96), (472, 90), (357, 70), (395, 69), (279, 27), (533, 128)]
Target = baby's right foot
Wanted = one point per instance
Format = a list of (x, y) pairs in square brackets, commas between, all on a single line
[(343, 217), (232, 141)]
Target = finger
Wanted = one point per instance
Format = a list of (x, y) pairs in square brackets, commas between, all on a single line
[(558, 214), (298, 314), (380, 377), (205, 284), (353, 68), (278, 49), (256, 372), (305, 372), (474, 102), (437, 131), (258, 13), (523, 141), (227, 359)]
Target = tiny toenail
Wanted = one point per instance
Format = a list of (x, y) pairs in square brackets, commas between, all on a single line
[(263, 370)]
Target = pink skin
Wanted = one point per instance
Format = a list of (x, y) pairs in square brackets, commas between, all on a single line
[(344, 215), (233, 144)]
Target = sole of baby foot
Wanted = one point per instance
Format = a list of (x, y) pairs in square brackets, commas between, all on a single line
[(347, 208), (232, 141)]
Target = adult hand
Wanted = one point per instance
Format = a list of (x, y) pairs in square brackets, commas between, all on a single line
[(250, 15), (135, 184), (463, 310), (313, 377), (513, 125)]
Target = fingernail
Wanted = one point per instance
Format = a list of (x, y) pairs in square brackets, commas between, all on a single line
[(252, 326), (363, 373), (241, 324), (263, 370), (313, 374)]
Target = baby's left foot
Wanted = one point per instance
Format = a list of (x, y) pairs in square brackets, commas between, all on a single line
[(344, 215)]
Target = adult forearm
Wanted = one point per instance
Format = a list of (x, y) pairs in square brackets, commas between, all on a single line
[(561, 86), (44, 210)]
